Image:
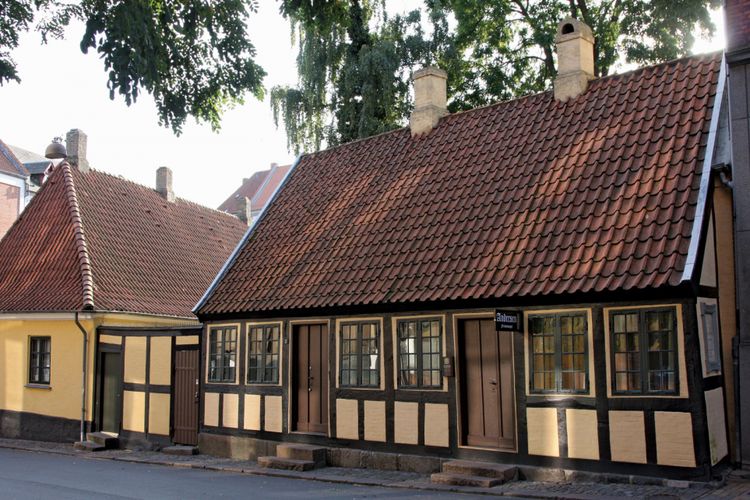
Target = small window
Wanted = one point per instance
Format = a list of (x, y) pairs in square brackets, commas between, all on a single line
[(644, 351), (360, 355), (222, 355), (263, 355), (711, 340), (419, 351), (39, 360), (559, 353)]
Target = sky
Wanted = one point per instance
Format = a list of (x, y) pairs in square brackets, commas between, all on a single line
[(61, 89)]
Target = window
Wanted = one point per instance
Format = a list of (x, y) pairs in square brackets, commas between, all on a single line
[(419, 349), (222, 354), (711, 341), (360, 355), (559, 353), (39, 360), (263, 355), (644, 351)]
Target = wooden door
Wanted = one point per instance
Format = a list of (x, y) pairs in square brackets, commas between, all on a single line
[(310, 379), (111, 391), (487, 406), (186, 393)]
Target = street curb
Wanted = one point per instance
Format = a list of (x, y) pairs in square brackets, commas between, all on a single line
[(309, 475)]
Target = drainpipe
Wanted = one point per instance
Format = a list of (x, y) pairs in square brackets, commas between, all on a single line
[(84, 375)]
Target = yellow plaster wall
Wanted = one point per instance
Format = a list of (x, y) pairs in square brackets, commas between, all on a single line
[(160, 361), (63, 398), (674, 439), (708, 272), (717, 431), (627, 436), (186, 340), (583, 436), (211, 409), (110, 339), (252, 412), (135, 360), (230, 411), (406, 422), (542, 431), (436, 425), (273, 413), (158, 414), (134, 411), (375, 421), (347, 419)]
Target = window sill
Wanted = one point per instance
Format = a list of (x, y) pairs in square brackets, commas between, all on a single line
[(45, 387)]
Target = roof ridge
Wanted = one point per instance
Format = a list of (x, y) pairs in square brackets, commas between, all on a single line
[(84, 262), (462, 112), (149, 188)]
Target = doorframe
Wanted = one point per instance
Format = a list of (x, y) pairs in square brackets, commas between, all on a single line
[(101, 350), (290, 389), (458, 352), (184, 347)]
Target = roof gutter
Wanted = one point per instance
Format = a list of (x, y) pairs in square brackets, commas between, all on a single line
[(708, 159), (235, 253)]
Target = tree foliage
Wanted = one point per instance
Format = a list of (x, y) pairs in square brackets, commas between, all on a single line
[(354, 61), (193, 56)]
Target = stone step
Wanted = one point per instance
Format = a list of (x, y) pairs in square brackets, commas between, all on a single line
[(180, 450), (481, 469), (285, 463), (103, 439), (462, 480), (305, 452), (88, 446)]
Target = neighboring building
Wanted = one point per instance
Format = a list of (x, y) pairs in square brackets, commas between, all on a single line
[(36, 165), (13, 188), (359, 310), (101, 265), (255, 192)]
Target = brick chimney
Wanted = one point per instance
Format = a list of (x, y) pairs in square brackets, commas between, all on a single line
[(430, 99), (75, 145), (164, 183), (575, 59), (244, 212)]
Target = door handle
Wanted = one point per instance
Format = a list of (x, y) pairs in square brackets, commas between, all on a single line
[(493, 382)]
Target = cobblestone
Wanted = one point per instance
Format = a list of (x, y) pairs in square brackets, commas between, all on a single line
[(738, 483)]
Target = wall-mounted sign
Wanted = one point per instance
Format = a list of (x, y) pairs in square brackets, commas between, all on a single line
[(507, 321)]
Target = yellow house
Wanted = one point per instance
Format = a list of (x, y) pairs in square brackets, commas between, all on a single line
[(101, 265)]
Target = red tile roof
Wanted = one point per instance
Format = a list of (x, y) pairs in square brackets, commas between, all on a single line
[(247, 190), (524, 198), (272, 182), (92, 240), (9, 164)]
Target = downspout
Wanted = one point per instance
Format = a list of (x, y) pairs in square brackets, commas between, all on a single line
[(84, 380)]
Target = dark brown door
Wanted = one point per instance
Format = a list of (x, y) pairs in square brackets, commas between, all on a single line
[(488, 418), (310, 379), (111, 391), (185, 406)]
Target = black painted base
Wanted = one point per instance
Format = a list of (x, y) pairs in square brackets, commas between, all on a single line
[(140, 441), (24, 425)]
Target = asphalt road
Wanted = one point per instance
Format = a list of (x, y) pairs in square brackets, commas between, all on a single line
[(26, 475)]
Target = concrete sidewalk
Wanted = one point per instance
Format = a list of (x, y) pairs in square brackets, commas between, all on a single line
[(737, 485)]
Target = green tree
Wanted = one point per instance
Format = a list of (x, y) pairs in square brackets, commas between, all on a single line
[(193, 56), (354, 60)]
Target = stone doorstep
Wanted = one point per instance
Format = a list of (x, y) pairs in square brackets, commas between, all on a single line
[(303, 452), (290, 464), (481, 469), (104, 439), (465, 480)]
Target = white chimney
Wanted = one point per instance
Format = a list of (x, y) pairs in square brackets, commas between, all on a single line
[(575, 59), (75, 145), (430, 99), (164, 183)]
